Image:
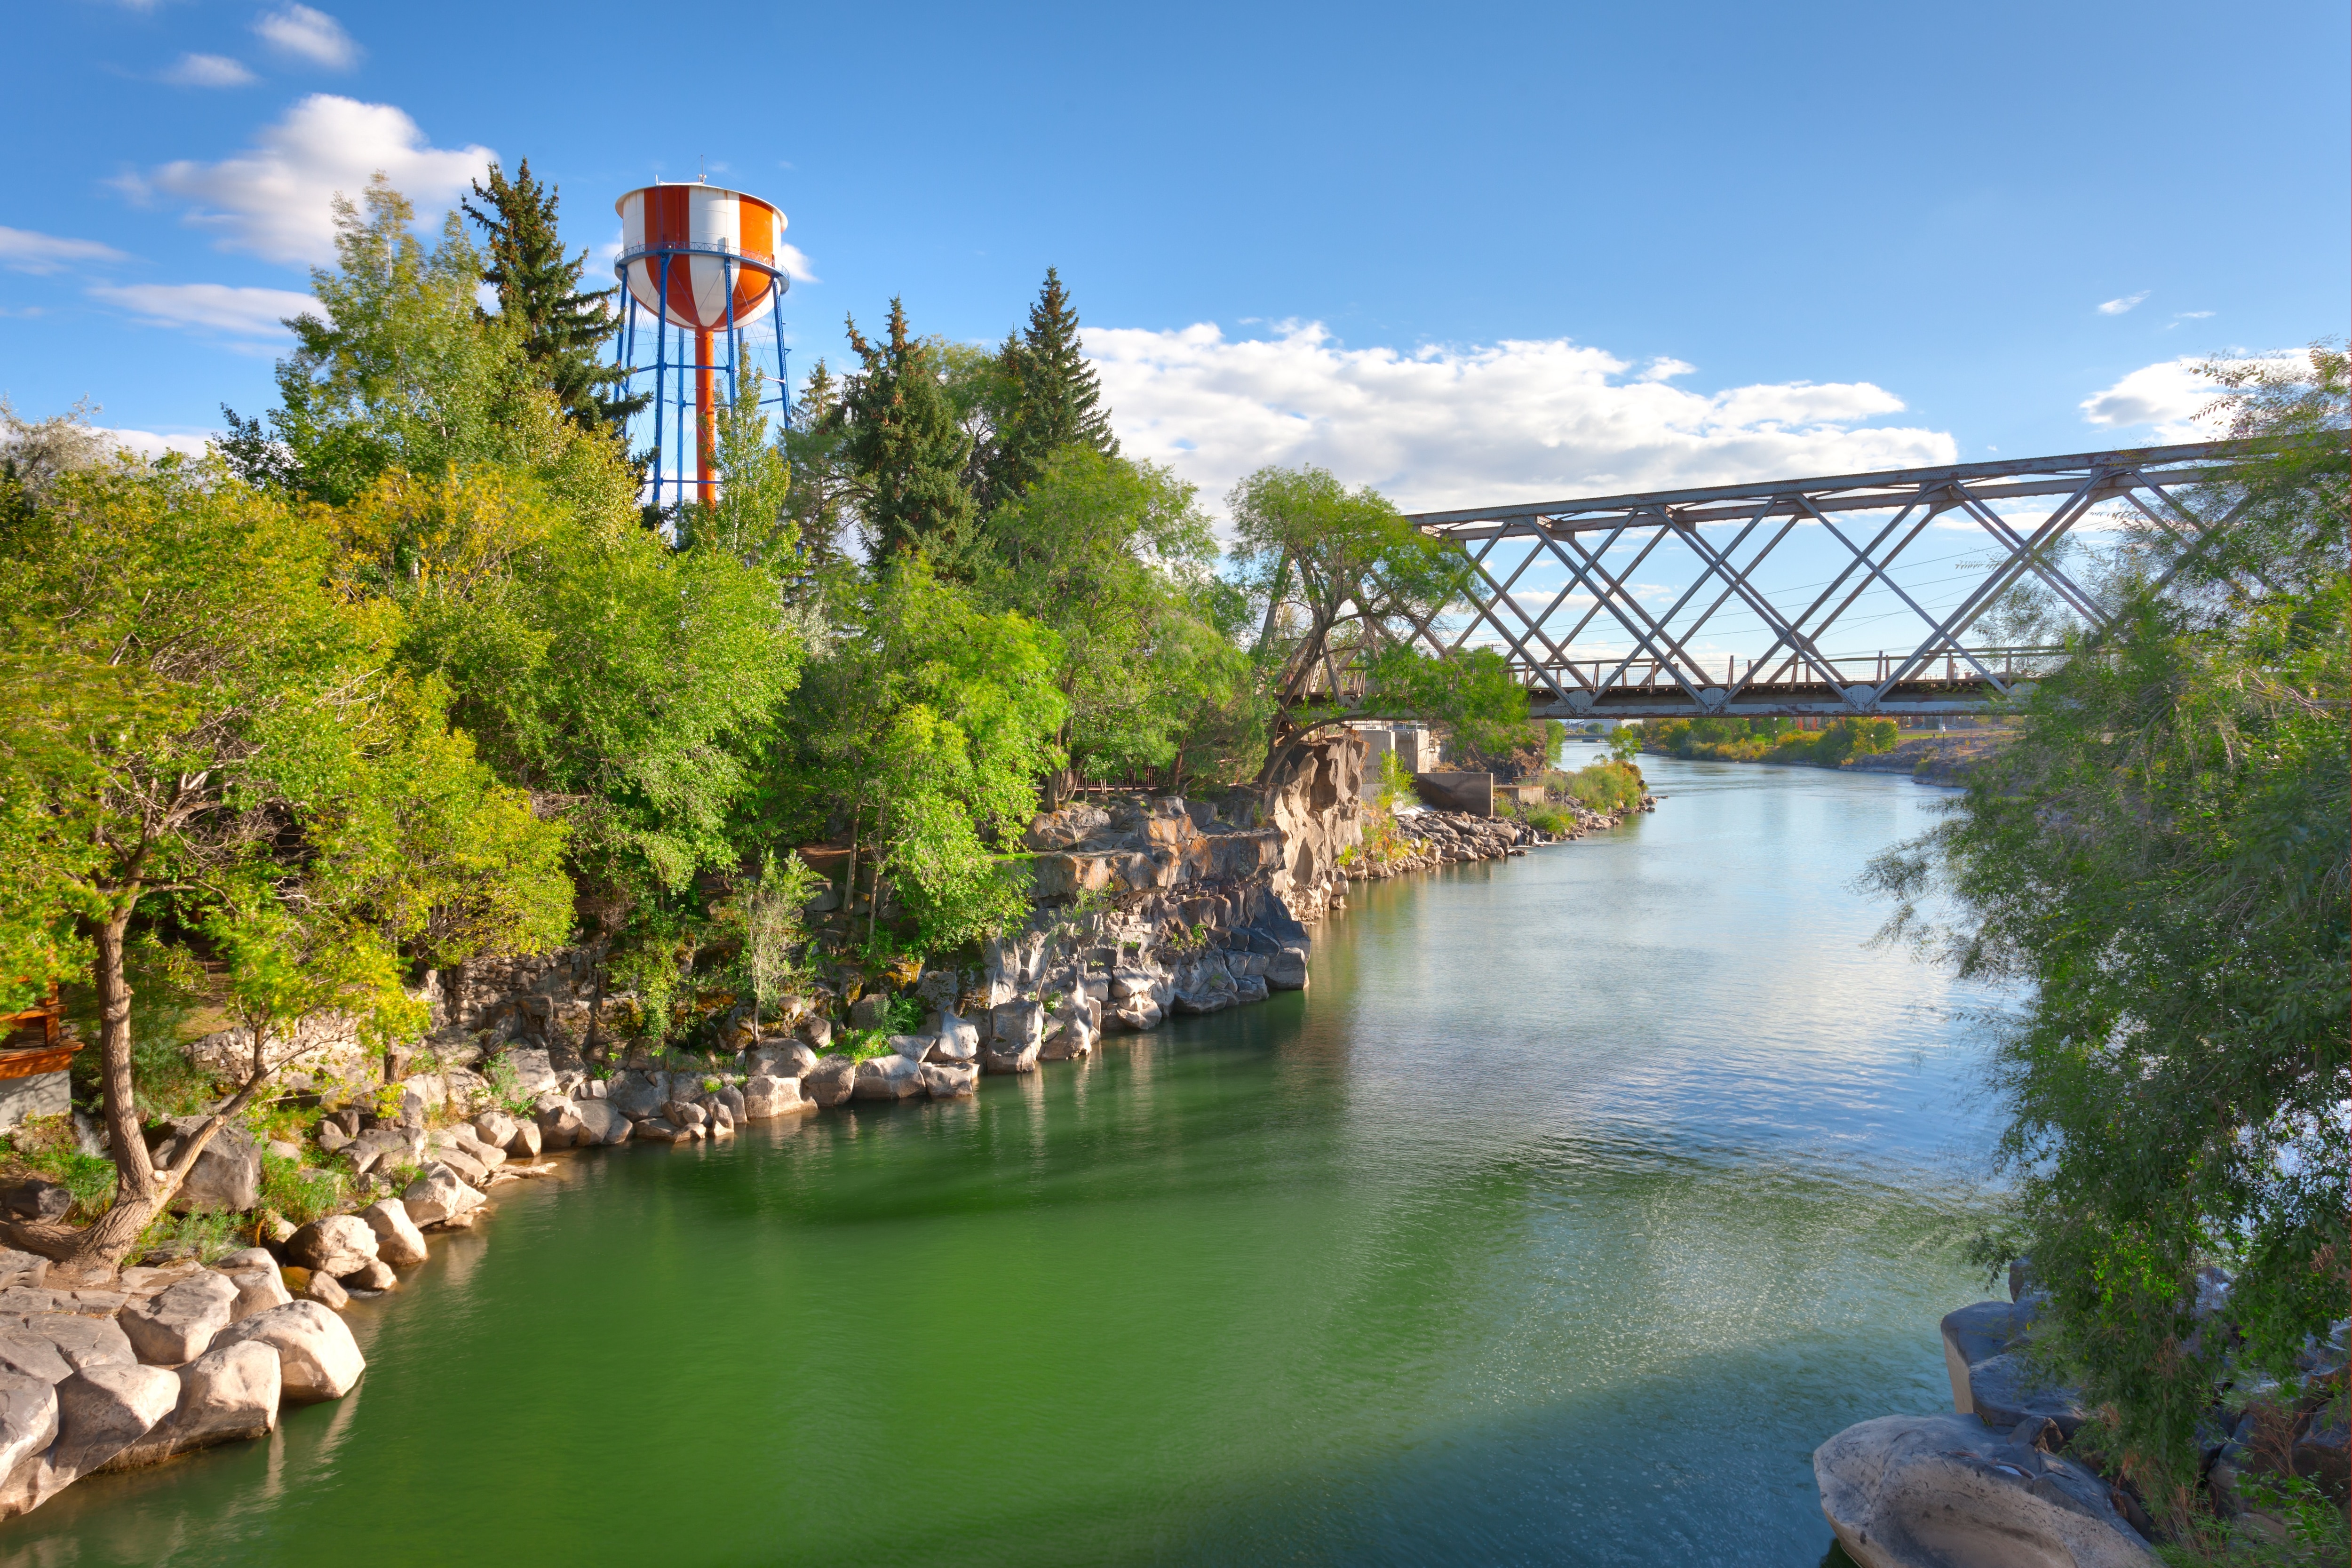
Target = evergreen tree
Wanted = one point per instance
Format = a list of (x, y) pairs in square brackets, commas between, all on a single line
[(905, 450), (1059, 402), (820, 483), (539, 292)]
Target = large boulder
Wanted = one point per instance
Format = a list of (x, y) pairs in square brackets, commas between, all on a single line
[(914, 1047), (470, 1170), (601, 1124), (101, 1413), (84, 1341), (338, 1244), (319, 1357), (258, 1290), (1016, 1025), (29, 1354), (1073, 1037), (1011, 1056), (179, 1322), (1947, 1491), (831, 1081), (495, 1128), (766, 1098), (562, 1124), (527, 1140), (785, 1058), (635, 1094), (1287, 972), (891, 1077), (1991, 1375), (437, 1195), (956, 1042), (26, 1269), (950, 1080), (227, 1394), (226, 1175), (28, 1422), (398, 1242)]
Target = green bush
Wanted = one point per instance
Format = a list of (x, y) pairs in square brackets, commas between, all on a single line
[(859, 1044), (1607, 786), (1548, 818), (301, 1194), (46, 1145)]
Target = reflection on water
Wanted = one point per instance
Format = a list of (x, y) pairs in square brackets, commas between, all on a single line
[(1580, 1198)]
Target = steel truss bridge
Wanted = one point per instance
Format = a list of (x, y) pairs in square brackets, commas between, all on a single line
[(1927, 668)]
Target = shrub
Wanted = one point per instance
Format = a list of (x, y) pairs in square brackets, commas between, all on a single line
[(1607, 786), (46, 1145), (299, 1193)]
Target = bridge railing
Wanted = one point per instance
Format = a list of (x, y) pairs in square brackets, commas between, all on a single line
[(1644, 673)]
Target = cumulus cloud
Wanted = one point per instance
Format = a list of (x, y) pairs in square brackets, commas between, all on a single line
[(273, 200), (209, 307), (148, 444), (1442, 428), (2118, 307), (22, 250), (208, 70), (2168, 395), (308, 34)]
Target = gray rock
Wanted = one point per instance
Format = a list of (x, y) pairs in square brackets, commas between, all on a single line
[(601, 1124), (950, 1080), (788, 1058), (28, 1423), (376, 1275), (1287, 972), (397, 1241), (320, 1358), (653, 1130), (470, 1170), (1015, 1027), (815, 1032), (228, 1395), (495, 1128), (831, 1081), (532, 1070), (1073, 1038), (250, 1258), (22, 1268), (1011, 1057), (100, 1412), (869, 1012), (1249, 988), (2005, 1390), (82, 1341), (914, 1047), (381, 1145), (685, 1113), (956, 1042), (527, 1140), (1946, 1491), (226, 1175), (179, 1322), (258, 1290), (332, 1136), (633, 1094), (29, 1354), (715, 1106), (562, 1124), (437, 1195), (766, 1098), (891, 1077), (35, 1199), (327, 1290), (338, 1244)]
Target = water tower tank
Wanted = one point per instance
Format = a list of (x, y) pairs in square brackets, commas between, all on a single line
[(703, 261)]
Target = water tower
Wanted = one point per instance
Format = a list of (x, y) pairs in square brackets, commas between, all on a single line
[(701, 265)]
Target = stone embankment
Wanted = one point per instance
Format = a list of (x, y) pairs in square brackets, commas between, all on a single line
[(1149, 909), (1991, 1484)]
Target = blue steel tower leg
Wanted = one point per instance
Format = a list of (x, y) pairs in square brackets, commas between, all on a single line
[(661, 375)]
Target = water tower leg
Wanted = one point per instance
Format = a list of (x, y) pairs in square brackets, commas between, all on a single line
[(704, 372)]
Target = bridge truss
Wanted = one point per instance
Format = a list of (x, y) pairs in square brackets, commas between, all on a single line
[(1866, 521)]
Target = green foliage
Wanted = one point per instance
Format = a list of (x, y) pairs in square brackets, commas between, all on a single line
[(507, 1089), (1610, 785), (1773, 740), (862, 1045), (562, 328), (1625, 741), (2160, 862), (1054, 402), (750, 519), (771, 915), (205, 1235), (905, 450), (299, 1193), (46, 1146)]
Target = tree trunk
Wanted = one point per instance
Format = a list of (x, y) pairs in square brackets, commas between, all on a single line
[(136, 1190)]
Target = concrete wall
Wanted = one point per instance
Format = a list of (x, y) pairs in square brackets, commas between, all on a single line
[(1472, 793), (35, 1094)]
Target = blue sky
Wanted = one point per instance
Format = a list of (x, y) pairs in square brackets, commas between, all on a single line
[(1465, 254)]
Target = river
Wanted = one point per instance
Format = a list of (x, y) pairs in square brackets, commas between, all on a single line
[(1580, 1198)]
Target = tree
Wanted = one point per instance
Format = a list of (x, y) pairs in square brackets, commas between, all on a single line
[(1346, 587), (820, 484), (398, 369), (1115, 557), (905, 450), (750, 516), (1054, 399), (931, 720), (2160, 860), (539, 290), (195, 716)]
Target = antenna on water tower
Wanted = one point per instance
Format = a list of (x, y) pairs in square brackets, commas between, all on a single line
[(703, 262)]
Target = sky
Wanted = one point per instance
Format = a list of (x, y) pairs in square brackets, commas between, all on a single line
[(1502, 253)]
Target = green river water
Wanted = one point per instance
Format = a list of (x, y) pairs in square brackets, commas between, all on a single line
[(1580, 1198)]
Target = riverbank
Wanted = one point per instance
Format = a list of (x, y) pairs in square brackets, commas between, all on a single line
[(1197, 920), (1940, 758)]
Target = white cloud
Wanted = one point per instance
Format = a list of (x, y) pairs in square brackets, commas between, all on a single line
[(2191, 315), (1516, 420), (2168, 395), (22, 250), (795, 265), (2118, 307), (148, 444), (208, 70), (210, 307), (308, 34), (273, 201)]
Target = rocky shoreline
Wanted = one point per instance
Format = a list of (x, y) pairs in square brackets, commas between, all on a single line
[(1150, 909), (1992, 1484)]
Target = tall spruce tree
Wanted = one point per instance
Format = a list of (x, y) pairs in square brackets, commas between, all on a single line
[(1059, 402), (905, 450), (539, 290), (820, 480)]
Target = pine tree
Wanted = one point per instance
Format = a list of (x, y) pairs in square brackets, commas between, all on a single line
[(820, 482), (539, 292), (1060, 401), (905, 451)]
